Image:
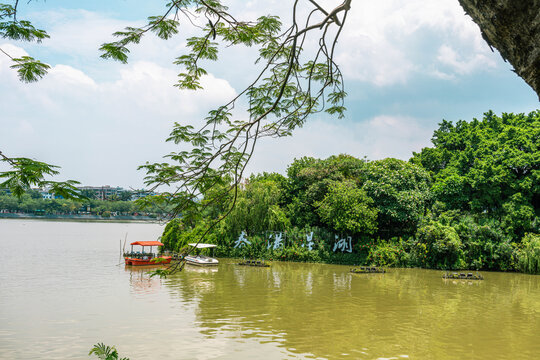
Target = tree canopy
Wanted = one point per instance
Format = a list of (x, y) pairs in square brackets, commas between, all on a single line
[(471, 201), (489, 166), (348, 209)]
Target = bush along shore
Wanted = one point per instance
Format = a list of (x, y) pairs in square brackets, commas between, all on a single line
[(81, 217), (472, 201), (31, 205)]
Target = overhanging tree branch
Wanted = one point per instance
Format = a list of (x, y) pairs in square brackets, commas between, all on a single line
[(292, 84), (25, 173)]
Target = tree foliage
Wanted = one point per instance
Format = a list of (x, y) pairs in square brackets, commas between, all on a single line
[(401, 193), (292, 85), (308, 182), (529, 254), (32, 202), (396, 212), (25, 173), (348, 209), (172, 233), (400, 190), (439, 246), (28, 68), (489, 166), (105, 352), (257, 209)]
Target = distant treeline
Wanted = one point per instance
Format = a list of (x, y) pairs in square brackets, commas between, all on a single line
[(470, 201), (33, 203)]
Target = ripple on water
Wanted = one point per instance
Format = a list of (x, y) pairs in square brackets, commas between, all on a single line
[(59, 309)]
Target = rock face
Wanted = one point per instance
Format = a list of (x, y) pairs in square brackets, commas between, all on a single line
[(513, 28)]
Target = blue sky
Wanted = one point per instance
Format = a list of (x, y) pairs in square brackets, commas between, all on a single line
[(407, 66)]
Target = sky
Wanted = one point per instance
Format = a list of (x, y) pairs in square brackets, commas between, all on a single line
[(407, 66)]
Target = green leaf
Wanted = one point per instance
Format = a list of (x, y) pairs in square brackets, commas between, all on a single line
[(160, 272), (29, 69), (131, 35), (163, 28), (105, 352), (116, 51), (6, 10), (26, 173), (21, 30)]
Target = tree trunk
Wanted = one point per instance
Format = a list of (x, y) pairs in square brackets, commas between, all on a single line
[(513, 28)]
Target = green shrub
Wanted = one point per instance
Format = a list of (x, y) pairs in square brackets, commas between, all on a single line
[(385, 254), (485, 246), (439, 246), (171, 234), (194, 235), (529, 254), (518, 216)]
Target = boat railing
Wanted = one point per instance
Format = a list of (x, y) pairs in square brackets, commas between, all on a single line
[(139, 255)]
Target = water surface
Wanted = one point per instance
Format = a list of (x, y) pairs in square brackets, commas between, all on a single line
[(62, 291)]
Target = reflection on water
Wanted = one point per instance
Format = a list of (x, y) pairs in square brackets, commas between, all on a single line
[(141, 282), (53, 309), (324, 311)]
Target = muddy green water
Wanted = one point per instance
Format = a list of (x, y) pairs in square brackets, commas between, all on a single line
[(61, 292)]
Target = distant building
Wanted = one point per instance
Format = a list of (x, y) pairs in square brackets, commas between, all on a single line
[(45, 194), (138, 194), (98, 192), (106, 192), (103, 192)]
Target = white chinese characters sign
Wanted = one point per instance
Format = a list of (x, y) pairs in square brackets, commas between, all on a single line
[(242, 240), (344, 245)]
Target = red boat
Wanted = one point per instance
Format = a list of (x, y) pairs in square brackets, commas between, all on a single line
[(138, 258)]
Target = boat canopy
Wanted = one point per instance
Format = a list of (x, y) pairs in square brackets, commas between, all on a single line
[(202, 246), (147, 243)]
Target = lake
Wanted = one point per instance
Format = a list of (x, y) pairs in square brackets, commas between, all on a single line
[(62, 291)]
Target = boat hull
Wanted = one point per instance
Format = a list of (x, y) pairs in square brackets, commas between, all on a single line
[(201, 261), (143, 262)]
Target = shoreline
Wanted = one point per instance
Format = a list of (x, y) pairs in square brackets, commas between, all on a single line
[(80, 218), (385, 267)]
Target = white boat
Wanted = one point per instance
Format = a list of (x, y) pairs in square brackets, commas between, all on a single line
[(201, 260)]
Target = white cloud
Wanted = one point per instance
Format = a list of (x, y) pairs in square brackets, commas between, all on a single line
[(375, 62), (463, 65), (11, 50), (377, 138), (99, 132), (69, 75), (77, 32), (383, 43), (388, 42)]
